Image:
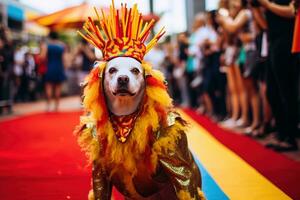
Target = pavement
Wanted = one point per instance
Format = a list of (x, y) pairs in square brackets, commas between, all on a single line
[(72, 103)]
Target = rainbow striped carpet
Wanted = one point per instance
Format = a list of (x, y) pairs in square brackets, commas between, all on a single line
[(237, 167)]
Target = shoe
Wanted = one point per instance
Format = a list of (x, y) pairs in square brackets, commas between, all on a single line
[(241, 124), (229, 123), (259, 135), (272, 145), (248, 131), (252, 131), (268, 128), (282, 146), (285, 148), (200, 110)]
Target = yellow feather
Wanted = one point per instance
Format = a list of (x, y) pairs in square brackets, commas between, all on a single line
[(91, 195)]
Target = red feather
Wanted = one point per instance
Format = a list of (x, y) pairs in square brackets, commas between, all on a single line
[(151, 81)]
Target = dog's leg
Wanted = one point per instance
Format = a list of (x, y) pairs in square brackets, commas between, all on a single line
[(182, 170), (102, 187)]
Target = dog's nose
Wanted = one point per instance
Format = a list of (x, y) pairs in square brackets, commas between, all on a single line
[(123, 80)]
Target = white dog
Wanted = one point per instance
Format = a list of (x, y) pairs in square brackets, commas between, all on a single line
[(135, 140)]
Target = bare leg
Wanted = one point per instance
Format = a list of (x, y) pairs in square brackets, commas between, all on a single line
[(266, 106), (234, 101), (255, 102), (228, 102), (184, 91), (242, 93), (208, 104), (57, 93), (266, 126), (48, 87)]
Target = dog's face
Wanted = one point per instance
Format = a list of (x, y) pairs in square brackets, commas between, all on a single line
[(124, 85)]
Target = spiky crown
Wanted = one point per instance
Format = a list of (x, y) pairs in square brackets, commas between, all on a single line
[(121, 33)]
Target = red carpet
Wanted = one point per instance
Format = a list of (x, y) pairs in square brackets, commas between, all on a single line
[(279, 169), (40, 159)]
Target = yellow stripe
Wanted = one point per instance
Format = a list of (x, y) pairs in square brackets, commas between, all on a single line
[(236, 178)]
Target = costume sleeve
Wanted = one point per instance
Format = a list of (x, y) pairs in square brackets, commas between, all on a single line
[(88, 141), (182, 170), (102, 187)]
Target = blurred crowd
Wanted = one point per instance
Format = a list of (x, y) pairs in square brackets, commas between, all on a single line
[(235, 66), (46, 70)]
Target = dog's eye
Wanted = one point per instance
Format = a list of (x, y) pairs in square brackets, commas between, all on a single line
[(112, 70), (135, 71)]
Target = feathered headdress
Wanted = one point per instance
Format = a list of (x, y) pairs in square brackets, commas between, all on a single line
[(121, 33)]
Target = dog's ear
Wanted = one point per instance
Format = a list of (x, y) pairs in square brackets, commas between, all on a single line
[(101, 70), (101, 66), (156, 88), (93, 101), (154, 77), (150, 72)]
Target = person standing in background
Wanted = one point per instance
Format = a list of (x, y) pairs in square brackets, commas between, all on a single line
[(282, 79), (216, 82), (260, 71), (26, 89), (18, 61), (169, 65), (55, 74), (239, 53), (180, 69), (194, 62), (41, 67), (6, 69), (85, 59)]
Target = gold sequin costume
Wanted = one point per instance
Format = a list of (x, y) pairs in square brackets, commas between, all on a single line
[(145, 158)]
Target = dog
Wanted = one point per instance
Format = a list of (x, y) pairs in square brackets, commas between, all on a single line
[(130, 131), (136, 142)]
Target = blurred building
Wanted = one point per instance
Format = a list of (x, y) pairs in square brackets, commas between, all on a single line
[(195, 6), (14, 14), (192, 8)]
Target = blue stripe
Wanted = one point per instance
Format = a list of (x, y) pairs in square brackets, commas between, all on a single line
[(210, 188)]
